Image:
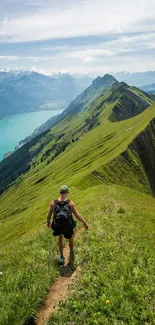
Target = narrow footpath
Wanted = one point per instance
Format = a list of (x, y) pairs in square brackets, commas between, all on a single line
[(59, 291)]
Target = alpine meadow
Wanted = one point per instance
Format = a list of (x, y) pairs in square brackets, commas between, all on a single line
[(103, 147)]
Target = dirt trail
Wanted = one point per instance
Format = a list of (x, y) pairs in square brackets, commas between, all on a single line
[(59, 290)]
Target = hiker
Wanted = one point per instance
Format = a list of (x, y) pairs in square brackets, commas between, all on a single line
[(63, 223)]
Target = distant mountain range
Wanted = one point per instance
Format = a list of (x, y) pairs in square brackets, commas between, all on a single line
[(149, 88), (27, 91), (137, 79)]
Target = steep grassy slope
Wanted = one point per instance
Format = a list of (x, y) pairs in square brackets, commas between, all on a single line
[(95, 105), (123, 102), (82, 101), (131, 101), (135, 167), (19, 162), (76, 166), (83, 151), (80, 159), (116, 258), (79, 165)]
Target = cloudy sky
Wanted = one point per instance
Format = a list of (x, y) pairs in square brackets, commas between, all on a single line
[(77, 36)]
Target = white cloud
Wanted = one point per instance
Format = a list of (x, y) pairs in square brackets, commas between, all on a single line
[(89, 54), (126, 53), (104, 51), (131, 43), (63, 71), (9, 57), (86, 18), (89, 59)]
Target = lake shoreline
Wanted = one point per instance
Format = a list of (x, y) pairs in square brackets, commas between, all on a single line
[(14, 129), (37, 111)]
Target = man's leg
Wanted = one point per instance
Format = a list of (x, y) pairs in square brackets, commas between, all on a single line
[(60, 243), (71, 243), (71, 255)]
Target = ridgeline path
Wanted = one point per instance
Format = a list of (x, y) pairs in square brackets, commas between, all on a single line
[(59, 291)]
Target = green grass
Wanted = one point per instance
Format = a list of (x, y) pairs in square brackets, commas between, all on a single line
[(116, 255), (119, 265), (27, 271)]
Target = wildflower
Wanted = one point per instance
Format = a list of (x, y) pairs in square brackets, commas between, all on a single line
[(107, 301), (1, 273), (17, 294)]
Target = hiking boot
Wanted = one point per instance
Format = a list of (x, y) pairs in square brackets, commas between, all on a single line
[(61, 260)]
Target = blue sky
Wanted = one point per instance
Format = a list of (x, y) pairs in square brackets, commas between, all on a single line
[(93, 37)]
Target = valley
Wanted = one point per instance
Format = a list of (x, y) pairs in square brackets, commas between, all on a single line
[(28, 91)]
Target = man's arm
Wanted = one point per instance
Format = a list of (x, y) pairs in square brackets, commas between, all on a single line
[(77, 215), (50, 212)]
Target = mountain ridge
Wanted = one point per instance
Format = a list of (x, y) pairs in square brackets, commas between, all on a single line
[(89, 153), (97, 84), (90, 109)]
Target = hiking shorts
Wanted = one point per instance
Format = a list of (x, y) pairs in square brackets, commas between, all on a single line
[(67, 234)]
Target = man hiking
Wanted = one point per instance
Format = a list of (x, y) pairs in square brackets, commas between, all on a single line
[(63, 223)]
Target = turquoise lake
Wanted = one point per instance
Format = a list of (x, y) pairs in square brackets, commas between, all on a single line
[(16, 128)]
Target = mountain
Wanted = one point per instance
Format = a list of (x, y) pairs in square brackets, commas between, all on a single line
[(97, 88), (27, 91), (132, 98), (103, 148), (137, 79), (105, 99), (149, 88)]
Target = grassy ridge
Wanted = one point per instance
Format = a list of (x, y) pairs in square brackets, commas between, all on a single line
[(118, 267), (97, 104), (116, 283), (27, 251), (27, 200)]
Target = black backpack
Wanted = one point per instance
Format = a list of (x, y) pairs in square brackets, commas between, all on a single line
[(63, 219)]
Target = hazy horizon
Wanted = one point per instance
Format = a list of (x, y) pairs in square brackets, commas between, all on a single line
[(78, 36)]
